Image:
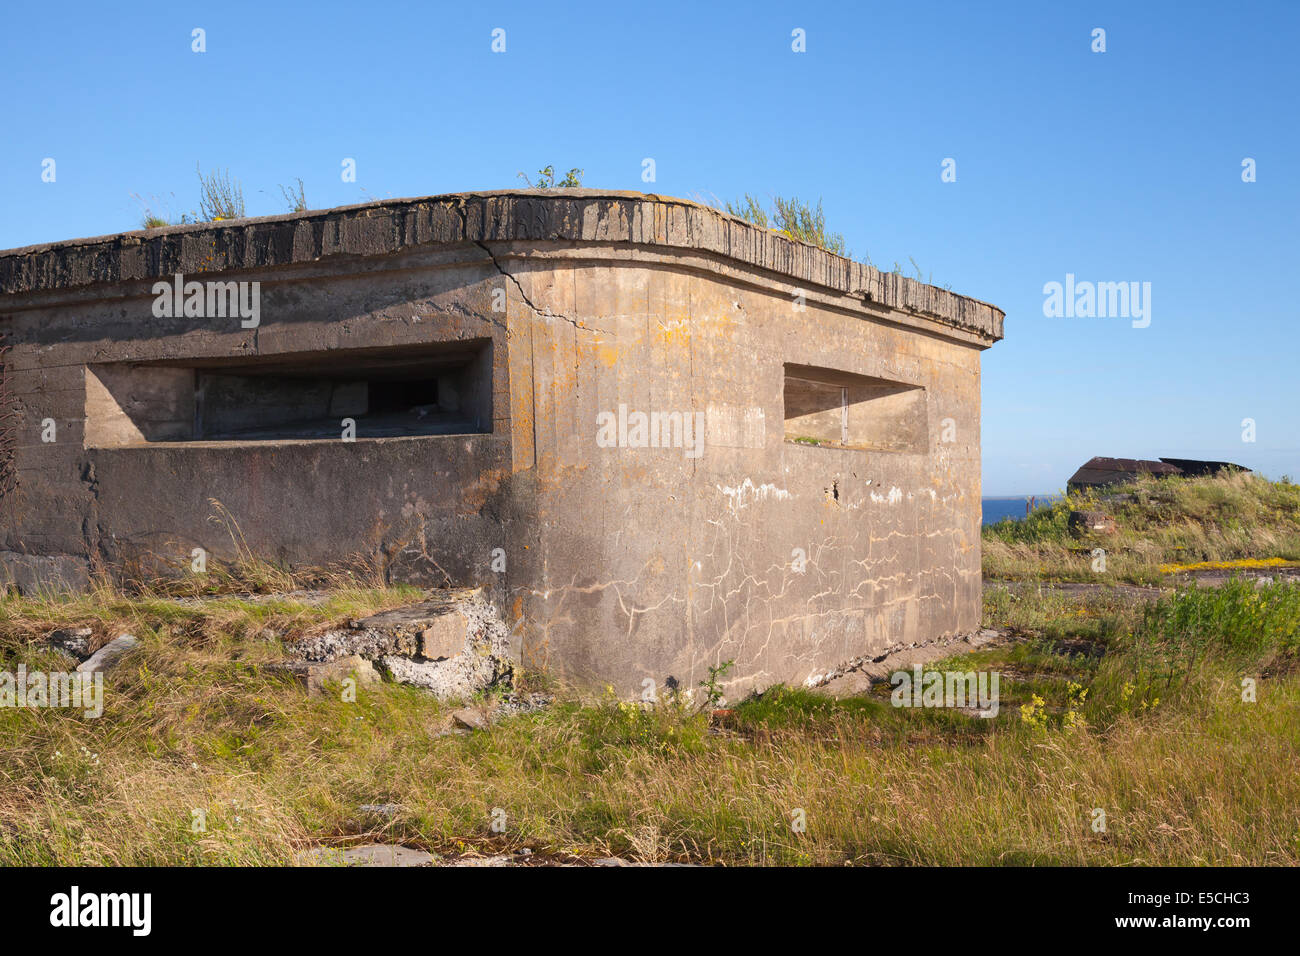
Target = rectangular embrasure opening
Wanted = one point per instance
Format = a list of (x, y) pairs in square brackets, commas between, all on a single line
[(443, 389), (827, 407)]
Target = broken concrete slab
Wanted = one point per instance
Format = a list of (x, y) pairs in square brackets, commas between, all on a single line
[(467, 651), (412, 618), (109, 655), (316, 674), (461, 676), (332, 645), (436, 628), (444, 638)]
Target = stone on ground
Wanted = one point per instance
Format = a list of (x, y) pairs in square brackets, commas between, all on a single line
[(109, 655), (370, 854), (470, 719)]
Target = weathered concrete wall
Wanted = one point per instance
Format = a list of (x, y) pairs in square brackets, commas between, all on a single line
[(621, 562), (308, 502), (785, 557)]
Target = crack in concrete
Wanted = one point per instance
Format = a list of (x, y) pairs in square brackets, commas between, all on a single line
[(576, 323)]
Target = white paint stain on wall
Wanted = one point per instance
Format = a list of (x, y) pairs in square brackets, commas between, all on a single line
[(747, 493)]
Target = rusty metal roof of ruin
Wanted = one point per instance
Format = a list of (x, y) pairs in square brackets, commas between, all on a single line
[(392, 225), (1109, 471)]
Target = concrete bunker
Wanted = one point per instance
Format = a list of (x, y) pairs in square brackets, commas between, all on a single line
[(481, 345)]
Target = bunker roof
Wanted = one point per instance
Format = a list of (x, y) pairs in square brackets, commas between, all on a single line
[(395, 225)]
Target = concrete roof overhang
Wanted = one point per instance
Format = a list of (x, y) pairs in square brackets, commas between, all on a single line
[(491, 220)]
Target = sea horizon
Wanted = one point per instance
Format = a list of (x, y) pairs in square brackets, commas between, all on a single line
[(993, 508)]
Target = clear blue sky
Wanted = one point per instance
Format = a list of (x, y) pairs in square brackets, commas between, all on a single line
[(1115, 166)]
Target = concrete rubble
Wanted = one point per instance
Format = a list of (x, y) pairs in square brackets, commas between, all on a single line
[(315, 675), (371, 854), (453, 645), (74, 641)]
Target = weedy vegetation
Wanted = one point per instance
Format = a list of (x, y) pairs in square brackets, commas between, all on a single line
[(296, 198), (220, 196), (1163, 527), (546, 179), (1136, 710), (791, 218)]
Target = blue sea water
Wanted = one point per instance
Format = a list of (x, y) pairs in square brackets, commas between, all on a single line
[(995, 509)]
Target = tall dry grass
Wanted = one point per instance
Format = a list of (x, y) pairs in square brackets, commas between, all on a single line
[(202, 729)]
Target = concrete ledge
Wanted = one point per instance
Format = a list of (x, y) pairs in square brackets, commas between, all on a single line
[(34, 574), (389, 226)]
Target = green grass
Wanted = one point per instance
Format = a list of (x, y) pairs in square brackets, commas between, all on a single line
[(1202, 637), (1187, 772), (1161, 524)]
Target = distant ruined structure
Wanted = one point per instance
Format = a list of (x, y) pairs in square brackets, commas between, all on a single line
[(655, 436), (1100, 472)]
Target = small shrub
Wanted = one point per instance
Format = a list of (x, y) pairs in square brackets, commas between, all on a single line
[(712, 696), (1076, 695), (220, 196), (546, 179), (1237, 623), (1034, 713), (750, 210), (297, 199), (791, 218), (155, 212), (667, 727)]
